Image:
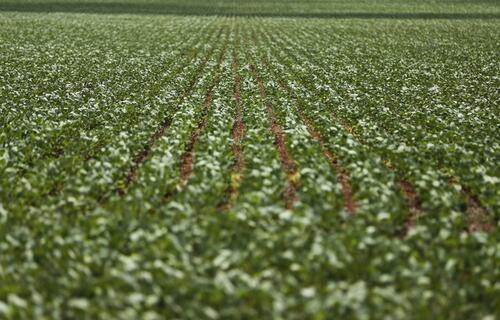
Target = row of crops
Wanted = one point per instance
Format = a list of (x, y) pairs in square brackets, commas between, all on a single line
[(211, 167)]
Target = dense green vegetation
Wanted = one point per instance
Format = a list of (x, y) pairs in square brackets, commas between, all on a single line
[(249, 159)]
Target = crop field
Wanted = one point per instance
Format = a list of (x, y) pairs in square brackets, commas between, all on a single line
[(249, 159)]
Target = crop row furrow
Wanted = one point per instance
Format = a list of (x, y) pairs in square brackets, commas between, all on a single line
[(408, 151), (175, 101), (132, 125), (415, 211), (261, 192), (161, 174), (317, 180), (360, 162), (186, 165), (145, 152), (237, 136), (342, 174), (290, 195), (62, 123)]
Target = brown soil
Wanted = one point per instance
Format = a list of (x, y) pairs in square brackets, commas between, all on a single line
[(477, 216), (342, 175), (187, 158), (287, 163), (143, 155), (237, 134), (413, 203)]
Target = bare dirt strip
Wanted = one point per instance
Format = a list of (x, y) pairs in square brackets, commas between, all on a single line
[(478, 218), (342, 174), (187, 158), (287, 163), (237, 135), (414, 205), (477, 214), (143, 155), (411, 197)]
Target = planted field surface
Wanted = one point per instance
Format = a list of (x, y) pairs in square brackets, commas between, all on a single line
[(274, 165)]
